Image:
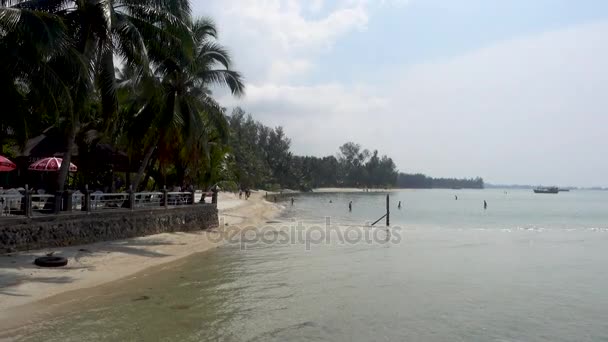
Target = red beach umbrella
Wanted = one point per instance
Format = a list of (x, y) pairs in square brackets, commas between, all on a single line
[(51, 164), (6, 165)]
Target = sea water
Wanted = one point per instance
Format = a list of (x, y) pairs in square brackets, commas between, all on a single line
[(530, 267)]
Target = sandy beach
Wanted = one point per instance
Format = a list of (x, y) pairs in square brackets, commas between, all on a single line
[(22, 284)]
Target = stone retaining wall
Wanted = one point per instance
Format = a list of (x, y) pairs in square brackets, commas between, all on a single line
[(18, 234)]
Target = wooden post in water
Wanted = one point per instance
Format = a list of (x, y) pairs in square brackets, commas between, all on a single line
[(388, 211)]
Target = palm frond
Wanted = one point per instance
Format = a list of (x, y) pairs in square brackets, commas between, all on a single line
[(231, 79), (50, 6), (106, 82), (202, 28)]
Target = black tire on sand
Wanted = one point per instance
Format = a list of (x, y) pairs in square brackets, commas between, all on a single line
[(51, 261)]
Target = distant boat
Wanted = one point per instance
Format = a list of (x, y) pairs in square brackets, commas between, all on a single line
[(546, 190), (564, 190)]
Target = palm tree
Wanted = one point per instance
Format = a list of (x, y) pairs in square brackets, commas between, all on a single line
[(187, 108)]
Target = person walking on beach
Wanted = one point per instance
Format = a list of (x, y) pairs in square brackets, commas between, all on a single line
[(350, 206), (240, 193), (292, 201), (399, 205), (485, 205)]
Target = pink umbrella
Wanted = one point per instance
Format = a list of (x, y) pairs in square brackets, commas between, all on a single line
[(50, 164), (6, 165)]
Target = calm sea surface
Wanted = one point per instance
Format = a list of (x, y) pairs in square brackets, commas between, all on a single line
[(531, 267)]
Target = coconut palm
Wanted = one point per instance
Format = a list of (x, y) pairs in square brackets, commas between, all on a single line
[(187, 108)]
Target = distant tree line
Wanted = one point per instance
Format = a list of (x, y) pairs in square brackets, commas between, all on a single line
[(260, 157), (420, 181)]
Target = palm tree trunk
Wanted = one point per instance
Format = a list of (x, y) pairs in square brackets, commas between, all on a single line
[(67, 159), (143, 166), (128, 178), (181, 173), (107, 83), (149, 172), (147, 177)]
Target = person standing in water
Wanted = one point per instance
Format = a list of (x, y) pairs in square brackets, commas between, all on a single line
[(292, 201), (399, 205), (485, 205), (456, 197), (350, 206)]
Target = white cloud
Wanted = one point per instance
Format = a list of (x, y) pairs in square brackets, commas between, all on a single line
[(283, 22), (281, 70), (315, 6), (274, 34), (319, 118)]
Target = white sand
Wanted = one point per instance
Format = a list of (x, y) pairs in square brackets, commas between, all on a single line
[(22, 283)]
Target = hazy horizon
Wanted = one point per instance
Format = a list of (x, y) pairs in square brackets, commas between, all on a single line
[(511, 91)]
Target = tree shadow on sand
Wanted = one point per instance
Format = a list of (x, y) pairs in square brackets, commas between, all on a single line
[(6, 284), (133, 247)]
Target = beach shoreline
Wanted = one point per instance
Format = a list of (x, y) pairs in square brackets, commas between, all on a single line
[(25, 287)]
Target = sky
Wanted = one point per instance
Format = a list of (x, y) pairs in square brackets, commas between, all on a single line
[(513, 91)]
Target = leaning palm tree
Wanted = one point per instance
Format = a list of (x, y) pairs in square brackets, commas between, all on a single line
[(187, 107)]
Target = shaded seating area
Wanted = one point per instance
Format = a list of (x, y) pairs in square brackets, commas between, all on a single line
[(98, 180)]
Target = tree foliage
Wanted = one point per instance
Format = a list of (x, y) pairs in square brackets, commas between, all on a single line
[(263, 160), (58, 68), (420, 181)]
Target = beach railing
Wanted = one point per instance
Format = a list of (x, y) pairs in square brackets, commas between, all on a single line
[(148, 199), (198, 196), (77, 201), (179, 198), (40, 204), (25, 202), (10, 204), (103, 201)]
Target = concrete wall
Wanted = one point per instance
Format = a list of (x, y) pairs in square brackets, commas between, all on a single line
[(81, 228)]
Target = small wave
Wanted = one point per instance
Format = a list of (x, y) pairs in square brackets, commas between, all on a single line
[(283, 331)]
